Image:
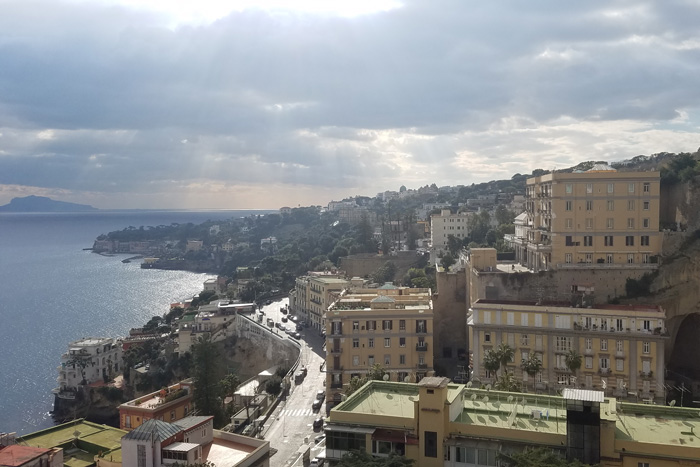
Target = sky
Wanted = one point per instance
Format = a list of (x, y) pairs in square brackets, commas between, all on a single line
[(169, 104)]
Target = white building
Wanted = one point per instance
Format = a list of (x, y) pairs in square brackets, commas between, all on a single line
[(89, 360), (445, 224)]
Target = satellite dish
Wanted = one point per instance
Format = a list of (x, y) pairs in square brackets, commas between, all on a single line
[(473, 397), (673, 402), (488, 387), (510, 399), (485, 399), (407, 379), (469, 384), (385, 377), (523, 402)]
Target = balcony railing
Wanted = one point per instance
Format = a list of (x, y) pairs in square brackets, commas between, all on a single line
[(422, 347), (595, 265), (339, 350), (422, 366)]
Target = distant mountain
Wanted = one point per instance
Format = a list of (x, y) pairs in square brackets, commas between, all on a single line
[(43, 204)]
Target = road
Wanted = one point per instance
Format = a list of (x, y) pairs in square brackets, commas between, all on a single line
[(291, 425)]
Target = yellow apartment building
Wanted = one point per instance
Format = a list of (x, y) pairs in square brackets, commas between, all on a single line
[(313, 294), (168, 405), (598, 218), (622, 346), (439, 424), (389, 326)]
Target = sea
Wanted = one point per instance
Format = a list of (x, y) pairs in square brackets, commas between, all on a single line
[(53, 291)]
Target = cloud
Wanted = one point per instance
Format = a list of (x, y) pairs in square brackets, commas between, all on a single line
[(130, 109)]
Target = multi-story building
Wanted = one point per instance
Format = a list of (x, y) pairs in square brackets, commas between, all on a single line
[(598, 218), (89, 360), (313, 293), (168, 405), (621, 346), (389, 326), (445, 224), (437, 424)]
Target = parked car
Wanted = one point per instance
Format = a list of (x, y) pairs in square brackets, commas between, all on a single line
[(319, 460), (316, 405), (278, 325), (297, 336), (321, 394), (300, 327), (318, 422), (284, 319)]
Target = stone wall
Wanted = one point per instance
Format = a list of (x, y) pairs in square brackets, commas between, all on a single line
[(364, 264), (450, 315)]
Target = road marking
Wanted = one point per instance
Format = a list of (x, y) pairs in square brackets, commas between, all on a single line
[(297, 413)]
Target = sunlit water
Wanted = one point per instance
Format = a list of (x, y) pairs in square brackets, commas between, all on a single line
[(52, 292)]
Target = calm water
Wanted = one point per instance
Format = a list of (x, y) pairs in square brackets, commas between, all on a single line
[(52, 292)]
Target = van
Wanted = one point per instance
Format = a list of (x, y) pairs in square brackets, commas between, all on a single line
[(319, 460)]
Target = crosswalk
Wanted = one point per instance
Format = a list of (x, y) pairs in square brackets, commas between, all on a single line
[(297, 412)]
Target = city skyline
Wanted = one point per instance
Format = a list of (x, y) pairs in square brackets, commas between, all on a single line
[(229, 105)]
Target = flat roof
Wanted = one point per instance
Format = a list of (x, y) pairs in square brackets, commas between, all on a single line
[(382, 398), (226, 453)]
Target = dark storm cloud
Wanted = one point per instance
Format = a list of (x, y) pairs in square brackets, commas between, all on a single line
[(285, 97)]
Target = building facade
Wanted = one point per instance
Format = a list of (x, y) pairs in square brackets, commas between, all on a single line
[(598, 218), (390, 326), (313, 294), (169, 405), (621, 346), (89, 360), (445, 224)]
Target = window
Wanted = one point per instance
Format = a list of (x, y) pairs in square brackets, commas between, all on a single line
[(619, 364), (487, 337), (646, 347), (630, 258), (603, 344), (402, 342), (563, 344), (127, 421), (355, 343), (646, 205), (421, 326), (371, 325), (569, 241), (589, 362), (642, 464), (402, 325), (609, 258), (610, 223), (370, 360), (510, 318), (645, 223), (569, 223), (569, 187), (604, 363), (141, 455), (630, 187), (630, 222), (620, 346), (524, 340), (646, 188), (611, 205), (569, 205), (370, 342), (588, 240), (387, 360), (589, 205), (589, 223), (568, 258), (386, 325), (431, 447), (611, 187), (387, 342), (523, 319), (646, 258), (629, 240), (172, 415), (487, 317), (630, 205), (402, 359), (646, 324), (355, 326), (608, 240), (538, 320), (355, 360), (589, 188)]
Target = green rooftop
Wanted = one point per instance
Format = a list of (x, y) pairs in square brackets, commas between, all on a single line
[(382, 398)]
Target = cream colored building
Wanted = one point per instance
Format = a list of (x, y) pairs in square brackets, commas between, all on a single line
[(314, 293), (622, 346), (445, 224), (599, 218), (438, 424), (389, 326)]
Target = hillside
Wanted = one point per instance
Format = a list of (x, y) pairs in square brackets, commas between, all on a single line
[(43, 204)]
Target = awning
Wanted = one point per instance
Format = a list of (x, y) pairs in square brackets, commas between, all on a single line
[(394, 436), (349, 429)]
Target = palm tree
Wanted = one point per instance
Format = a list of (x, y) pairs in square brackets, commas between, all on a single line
[(573, 360), (531, 365), (492, 361), (505, 355)]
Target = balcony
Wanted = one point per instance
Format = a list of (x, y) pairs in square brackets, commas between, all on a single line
[(646, 266), (422, 366), (422, 347), (604, 371), (336, 385), (336, 351)]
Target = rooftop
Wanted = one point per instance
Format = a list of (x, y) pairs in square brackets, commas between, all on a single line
[(16, 454), (382, 398)]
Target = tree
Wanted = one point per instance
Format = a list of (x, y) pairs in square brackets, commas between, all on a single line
[(536, 457), (492, 363), (505, 354), (375, 372), (447, 260), (573, 360), (206, 376), (507, 383), (273, 386), (361, 458), (385, 273), (531, 365), (228, 385)]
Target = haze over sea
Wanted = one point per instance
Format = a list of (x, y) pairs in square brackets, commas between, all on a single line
[(52, 292)]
